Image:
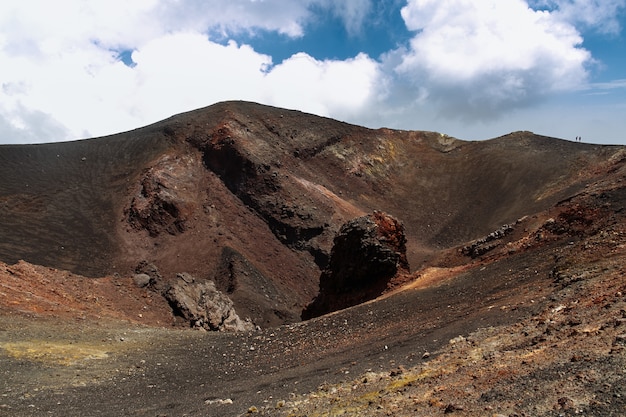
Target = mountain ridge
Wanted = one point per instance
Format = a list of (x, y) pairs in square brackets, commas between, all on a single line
[(179, 192), (508, 300)]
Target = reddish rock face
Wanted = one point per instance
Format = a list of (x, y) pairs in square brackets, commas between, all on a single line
[(391, 233), (165, 198), (368, 253)]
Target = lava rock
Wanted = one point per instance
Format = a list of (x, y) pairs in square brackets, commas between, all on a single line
[(368, 252), (141, 280), (204, 306), (155, 279)]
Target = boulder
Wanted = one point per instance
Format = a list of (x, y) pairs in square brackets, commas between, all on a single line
[(141, 280), (367, 254), (203, 306), (154, 278)]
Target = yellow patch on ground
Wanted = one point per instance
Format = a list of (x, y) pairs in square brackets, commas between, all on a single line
[(54, 353), (345, 404)]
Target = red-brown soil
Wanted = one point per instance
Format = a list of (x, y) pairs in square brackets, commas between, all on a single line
[(516, 244)]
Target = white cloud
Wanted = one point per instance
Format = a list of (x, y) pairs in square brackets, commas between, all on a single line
[(180, 72), (77, 87), (353, 13), (611, 85), (39, 27), (329, 88), (600, 15), (227, 17), (61, 76), (232, 16), (23, 125), (478, 59), (187, 70), (60, 62)]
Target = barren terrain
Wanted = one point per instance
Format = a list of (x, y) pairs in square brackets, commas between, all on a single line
[(515, 303)]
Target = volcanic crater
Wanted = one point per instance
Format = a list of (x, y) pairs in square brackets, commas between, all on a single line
[(446, 276)]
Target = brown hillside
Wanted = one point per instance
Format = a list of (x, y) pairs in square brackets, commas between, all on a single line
[(272, 186), (512, 303)]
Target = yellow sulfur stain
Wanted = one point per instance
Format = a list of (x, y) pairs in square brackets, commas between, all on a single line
[(360, 404), (54, 353)]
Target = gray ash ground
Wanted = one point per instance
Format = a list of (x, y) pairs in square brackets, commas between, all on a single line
[(494, 339)]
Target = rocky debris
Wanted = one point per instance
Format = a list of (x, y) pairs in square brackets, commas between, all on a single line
[(203, 306), (200, 304), (154, 279), (219, 401), (481, 246), (368, 253), (575, 220), (560, 360)]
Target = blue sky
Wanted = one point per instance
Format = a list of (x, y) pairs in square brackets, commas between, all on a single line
[(478, 69)]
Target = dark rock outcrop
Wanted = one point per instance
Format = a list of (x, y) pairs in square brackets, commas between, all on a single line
[(481, 246), (368, 253), (259, 180), (165, 197), (154, 278)]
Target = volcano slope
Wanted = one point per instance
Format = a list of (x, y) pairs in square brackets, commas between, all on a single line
[(516, 245)]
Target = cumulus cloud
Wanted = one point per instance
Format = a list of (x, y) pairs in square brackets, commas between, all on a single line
[(129, 24), (329, 88), (186, 69), (600, 15), (61, 70), (223, 18), (183, 71), (61, 64), (478, 59)]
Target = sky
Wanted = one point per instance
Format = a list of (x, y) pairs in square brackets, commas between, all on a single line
[(471, 69)]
